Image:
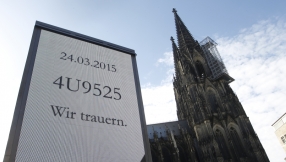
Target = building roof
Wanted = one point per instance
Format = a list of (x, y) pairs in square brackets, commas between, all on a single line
[(279, 119), (161, 128)]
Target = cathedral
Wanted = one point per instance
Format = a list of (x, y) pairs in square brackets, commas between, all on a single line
[(212, 125)]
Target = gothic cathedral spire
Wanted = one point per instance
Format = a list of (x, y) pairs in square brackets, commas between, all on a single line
[(186, 41), (176, 56), (212, 126), (205, 99)]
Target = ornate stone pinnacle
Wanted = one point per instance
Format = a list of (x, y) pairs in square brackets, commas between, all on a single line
[(172, 39), (174, 10)]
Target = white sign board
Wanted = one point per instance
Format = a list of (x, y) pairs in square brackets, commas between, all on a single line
[(81, 105)]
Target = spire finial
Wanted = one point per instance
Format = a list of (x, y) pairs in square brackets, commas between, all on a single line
[(174, 10), (172, 39)]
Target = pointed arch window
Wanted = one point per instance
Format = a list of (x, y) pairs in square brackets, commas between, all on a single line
[(236, 142), (192, 94), (222, 144), (182, 154), (212, 101), (200, 69), (198, 115), (167, 155), (154, 155), (190, 68)]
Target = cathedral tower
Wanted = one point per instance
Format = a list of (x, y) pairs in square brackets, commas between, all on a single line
[(212, 126), (208, 104)]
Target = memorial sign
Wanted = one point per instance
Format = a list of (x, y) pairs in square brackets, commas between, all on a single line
[(79, 100)]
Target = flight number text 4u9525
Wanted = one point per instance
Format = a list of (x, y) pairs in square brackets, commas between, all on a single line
[(85, 87)]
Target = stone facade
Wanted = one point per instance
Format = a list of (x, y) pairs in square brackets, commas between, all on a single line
[(212, 123), (280, 130)]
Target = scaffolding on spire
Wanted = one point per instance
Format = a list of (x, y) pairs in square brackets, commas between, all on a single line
[(213, 58)]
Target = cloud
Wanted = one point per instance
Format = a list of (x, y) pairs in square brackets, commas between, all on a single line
[(159, 101), (167, 60), (256, 59)]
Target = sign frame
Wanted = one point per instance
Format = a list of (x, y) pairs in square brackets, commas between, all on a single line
[(15, 130)]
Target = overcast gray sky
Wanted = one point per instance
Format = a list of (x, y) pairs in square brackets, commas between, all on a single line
[(251, 38)]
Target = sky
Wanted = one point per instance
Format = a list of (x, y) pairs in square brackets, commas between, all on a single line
[(251, 39)]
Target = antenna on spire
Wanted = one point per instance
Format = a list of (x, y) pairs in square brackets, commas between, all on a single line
[(174, 10)]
